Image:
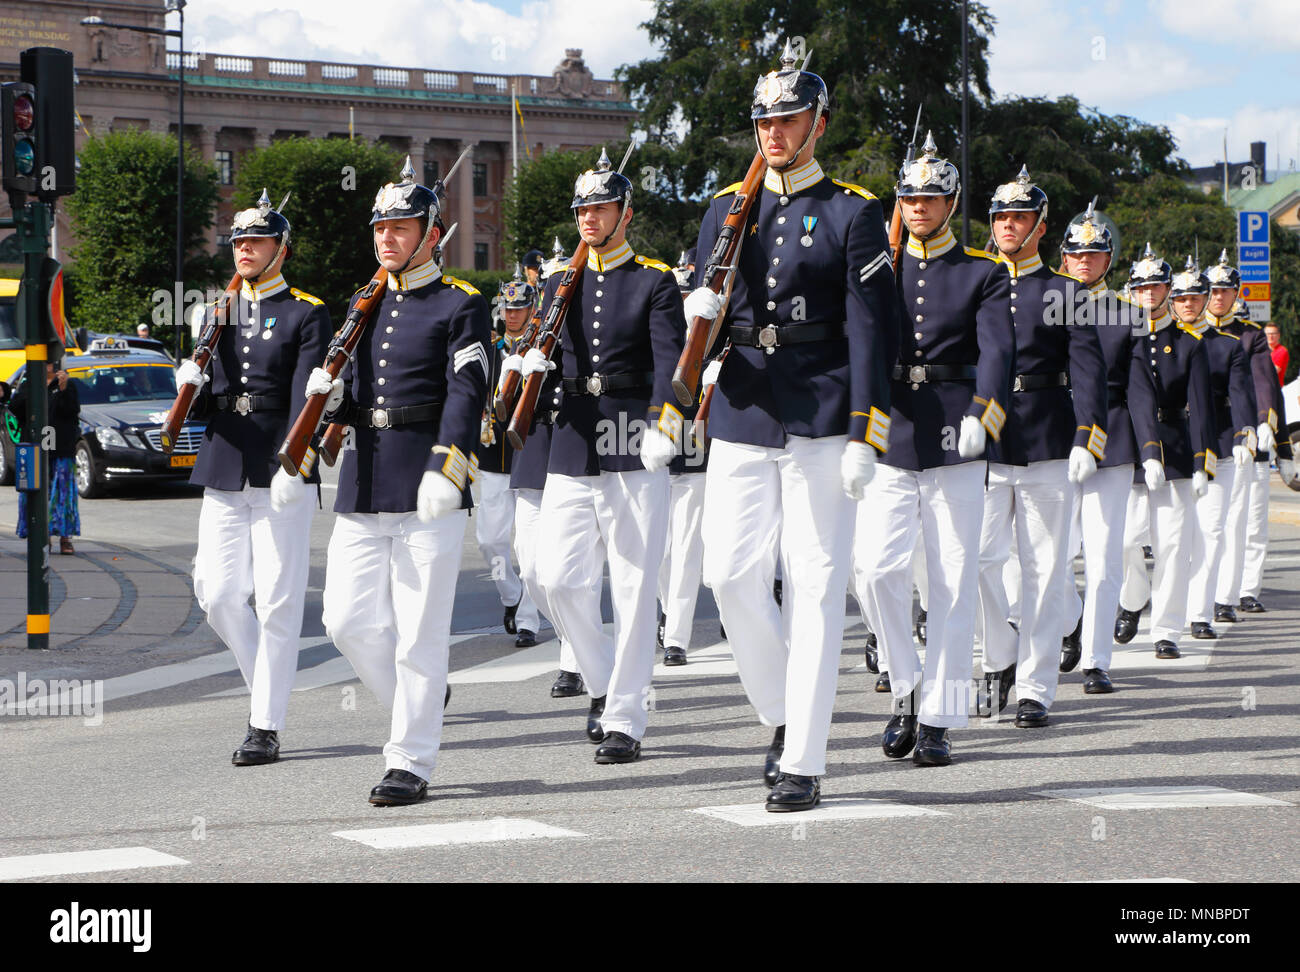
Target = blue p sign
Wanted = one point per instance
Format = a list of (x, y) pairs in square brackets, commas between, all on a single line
[(1252, 227)]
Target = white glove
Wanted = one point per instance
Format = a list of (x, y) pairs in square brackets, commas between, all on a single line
[(1154, 471), (972, 438), (1082, 464), (702, 302), (657, 450), (513, 362), (189, 374), (1250, 440), (437, 496), (1242, 455), (1265, 437), (857, 468), (284, 489), (319, 382), (1200, 483), (711, 372), (536, 362), (1286, 469)]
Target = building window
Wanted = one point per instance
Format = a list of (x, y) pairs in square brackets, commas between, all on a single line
[(225, 162), (480, 256), (223, 239), (480, 179), (431, 172)]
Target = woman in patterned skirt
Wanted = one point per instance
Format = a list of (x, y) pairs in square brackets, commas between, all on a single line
[(65, 414)]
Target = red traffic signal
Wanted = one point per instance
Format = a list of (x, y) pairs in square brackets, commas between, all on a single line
[(18, 134)]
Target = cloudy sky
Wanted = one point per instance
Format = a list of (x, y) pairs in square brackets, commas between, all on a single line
[(1198, 66)]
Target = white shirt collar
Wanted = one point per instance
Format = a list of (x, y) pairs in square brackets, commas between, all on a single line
[(1098, 289), (616, 257), (265, 289), (425, 273), (933, 247), (794, 180), (1021, 267)]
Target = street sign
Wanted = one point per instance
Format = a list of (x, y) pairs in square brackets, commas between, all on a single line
[(1259, 311), (1252, 227), (1256, 291), (27, 468), (1252, 254), (1253, 273)]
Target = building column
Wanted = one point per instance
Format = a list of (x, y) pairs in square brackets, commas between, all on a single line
[(207, 142), (463, 192), (261, 139)]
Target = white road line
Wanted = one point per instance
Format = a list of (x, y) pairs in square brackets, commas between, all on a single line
[(756, 815), (1142, 880), (466, 832), (1160, 797), (84, 862)]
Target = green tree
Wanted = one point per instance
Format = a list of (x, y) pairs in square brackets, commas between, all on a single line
[(124, 216)]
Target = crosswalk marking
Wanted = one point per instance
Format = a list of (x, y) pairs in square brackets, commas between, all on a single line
[(84, 862), (463, 832), (835, 808), (1160, 797)]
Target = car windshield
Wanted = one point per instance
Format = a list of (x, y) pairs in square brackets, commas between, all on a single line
[(105, 385), (8, 326)]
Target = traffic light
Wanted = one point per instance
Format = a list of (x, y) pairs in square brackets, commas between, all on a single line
[(49, 71), (18, 169)]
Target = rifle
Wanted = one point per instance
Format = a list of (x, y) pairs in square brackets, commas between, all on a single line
[(203, 351), (896, 221), (718, 272), (508, 387)]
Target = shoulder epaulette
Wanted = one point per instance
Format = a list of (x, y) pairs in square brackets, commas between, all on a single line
[(734, 187), (303, 295), (1186, 330), (651, 262), (971, 251), (1127, 300), (1249, 323), (850, 187), (459, 284), (1228, 334), (1061, 273)]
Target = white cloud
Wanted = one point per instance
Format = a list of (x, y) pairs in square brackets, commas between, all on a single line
[(1270, 24), (1200, 139)]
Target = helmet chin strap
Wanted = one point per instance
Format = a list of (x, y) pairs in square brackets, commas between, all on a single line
[(622, 209), (428, 231), (1025, 239), (817, 114), (946, 220)]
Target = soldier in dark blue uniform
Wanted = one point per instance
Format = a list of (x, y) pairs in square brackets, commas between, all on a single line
[(799, 414), (255, 522), (1054, 437), (606, 493), (952, 386), (414, 397), (1098, 521), (1166, 513)]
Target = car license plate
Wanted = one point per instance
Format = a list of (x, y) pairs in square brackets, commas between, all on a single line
[(182, 461)]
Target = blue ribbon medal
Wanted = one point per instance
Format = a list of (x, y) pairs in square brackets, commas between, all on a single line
[(808, 223)]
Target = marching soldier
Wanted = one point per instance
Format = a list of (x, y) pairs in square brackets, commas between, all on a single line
[(950, 393), (1053, 440), (606, 493), (800, 411), (255, 521), (1233, 397), (414, 398), (1165, 511), (1098, 523), (533, 267)]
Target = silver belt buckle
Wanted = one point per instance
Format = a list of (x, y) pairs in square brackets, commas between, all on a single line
[(767, 336), (595, 385), (1018, 384), (916, 374), (379, 418), (243, 405)]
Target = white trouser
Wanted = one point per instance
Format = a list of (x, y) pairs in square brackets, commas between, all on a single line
[(1038, 500), (683, 563), (788, 657), (1101, 508), (858, 582), (494, 515), (920, 577), (390, 581), (1168, 517), (246, 548), (1072, 606), (1227, 590), (585, 520), (1207, 555), (1011, 579), (1252, 574), (528, 516), (941, 508)]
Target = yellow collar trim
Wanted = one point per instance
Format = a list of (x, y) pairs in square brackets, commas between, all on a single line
[(1098, 289), (1161, 322), (267, 288), (425, 273), (933, 247), (1223, 321), (1021, 267), (616, 257), (1198, 326), (794, 180)]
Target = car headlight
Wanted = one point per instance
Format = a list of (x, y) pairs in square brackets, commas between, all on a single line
[(110, 437), (134, 440)]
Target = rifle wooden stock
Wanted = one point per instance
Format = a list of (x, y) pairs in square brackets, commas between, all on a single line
[(896, 235), (208, 337), (295, 446), (701, 333), (508, 387), (700, 427), (521, 422), (331, 443)]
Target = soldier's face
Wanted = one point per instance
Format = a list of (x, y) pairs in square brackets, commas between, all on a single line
[(782, 136), (531, 274), (1011, 231), (601, 220), (1087, 267), (1151, 296), (925, 214), (1188, 307), (252, 253), (1221, 300), (396, 240), (515, 317)]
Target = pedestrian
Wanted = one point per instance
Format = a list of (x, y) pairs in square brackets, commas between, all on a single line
[(1277, 351), (65, 418), (142, 330)]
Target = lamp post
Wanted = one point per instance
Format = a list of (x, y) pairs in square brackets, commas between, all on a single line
[(178, 7)]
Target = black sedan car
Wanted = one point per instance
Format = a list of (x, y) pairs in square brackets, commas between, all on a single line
[(125, 395)]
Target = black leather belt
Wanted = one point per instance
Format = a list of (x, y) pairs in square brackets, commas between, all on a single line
[(777, 335), (918, 374), (1222, 404), (548, 417), (598, 384), (1169, 415), (1117, 395), (1053, 379), (387, 418), (243, 404)]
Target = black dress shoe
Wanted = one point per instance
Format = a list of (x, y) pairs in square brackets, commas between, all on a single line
[(900, 731), (509, 619), (398, 787), (1096, 681), (882, 683), (932, 747), (776, 590), (1030, 714), (793, 792), (1126, 626), (447, 697), (722, 631), (1003, 682), (259, 746), (594, 732), (1146, 552), (1225, 613), (659, 632), (919, 626), (1202, 630), (1251, 605), (873, 654), (567, 685), (526, 638), (618, 747), (674, 655), (772, 761), (1167, 649), (1072, 648)]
